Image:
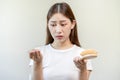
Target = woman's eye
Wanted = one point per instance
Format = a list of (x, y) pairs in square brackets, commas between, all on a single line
[(63, 25), (53, 25)]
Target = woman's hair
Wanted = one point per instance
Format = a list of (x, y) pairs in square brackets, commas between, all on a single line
[(65, 10)]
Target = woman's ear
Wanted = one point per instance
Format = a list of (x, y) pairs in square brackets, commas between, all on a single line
[(73, 24)]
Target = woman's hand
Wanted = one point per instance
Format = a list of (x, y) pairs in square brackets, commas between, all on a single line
[(36, 56), (80, 63)]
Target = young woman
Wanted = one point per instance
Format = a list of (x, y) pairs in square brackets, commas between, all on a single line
[(60, 58)]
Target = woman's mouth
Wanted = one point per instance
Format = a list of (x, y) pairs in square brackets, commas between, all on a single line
[(59, 37)]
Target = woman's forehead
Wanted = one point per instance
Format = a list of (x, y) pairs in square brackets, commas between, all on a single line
[(58, 17)]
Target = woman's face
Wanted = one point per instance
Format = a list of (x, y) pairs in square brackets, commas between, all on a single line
[(60, 27)]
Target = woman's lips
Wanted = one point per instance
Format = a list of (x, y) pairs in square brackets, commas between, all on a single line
[(59, 37)]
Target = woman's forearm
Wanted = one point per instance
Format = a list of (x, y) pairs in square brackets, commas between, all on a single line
[(84, 75), (37, 72)]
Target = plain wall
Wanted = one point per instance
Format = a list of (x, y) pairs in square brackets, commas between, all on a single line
[(23, 25)]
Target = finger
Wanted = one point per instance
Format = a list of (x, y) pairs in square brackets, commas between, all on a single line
[(35, 55), (38, 53), (83, 61), (31, 54), (76, 59), (80, 61)]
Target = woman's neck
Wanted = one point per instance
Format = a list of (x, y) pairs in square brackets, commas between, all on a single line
[(62, 45)]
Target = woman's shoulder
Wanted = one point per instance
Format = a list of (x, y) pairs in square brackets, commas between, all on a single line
[(79, 48)]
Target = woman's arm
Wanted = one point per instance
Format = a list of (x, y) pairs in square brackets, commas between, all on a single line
[(37, 72), (84, 75)]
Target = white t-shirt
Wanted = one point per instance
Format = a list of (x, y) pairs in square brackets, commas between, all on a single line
[(58, 64)]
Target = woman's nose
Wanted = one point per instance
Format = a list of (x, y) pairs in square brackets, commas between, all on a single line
[(58, 29)]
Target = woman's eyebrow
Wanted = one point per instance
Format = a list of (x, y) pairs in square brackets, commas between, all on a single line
[(59, 21), (63, 21), (53, 21)]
